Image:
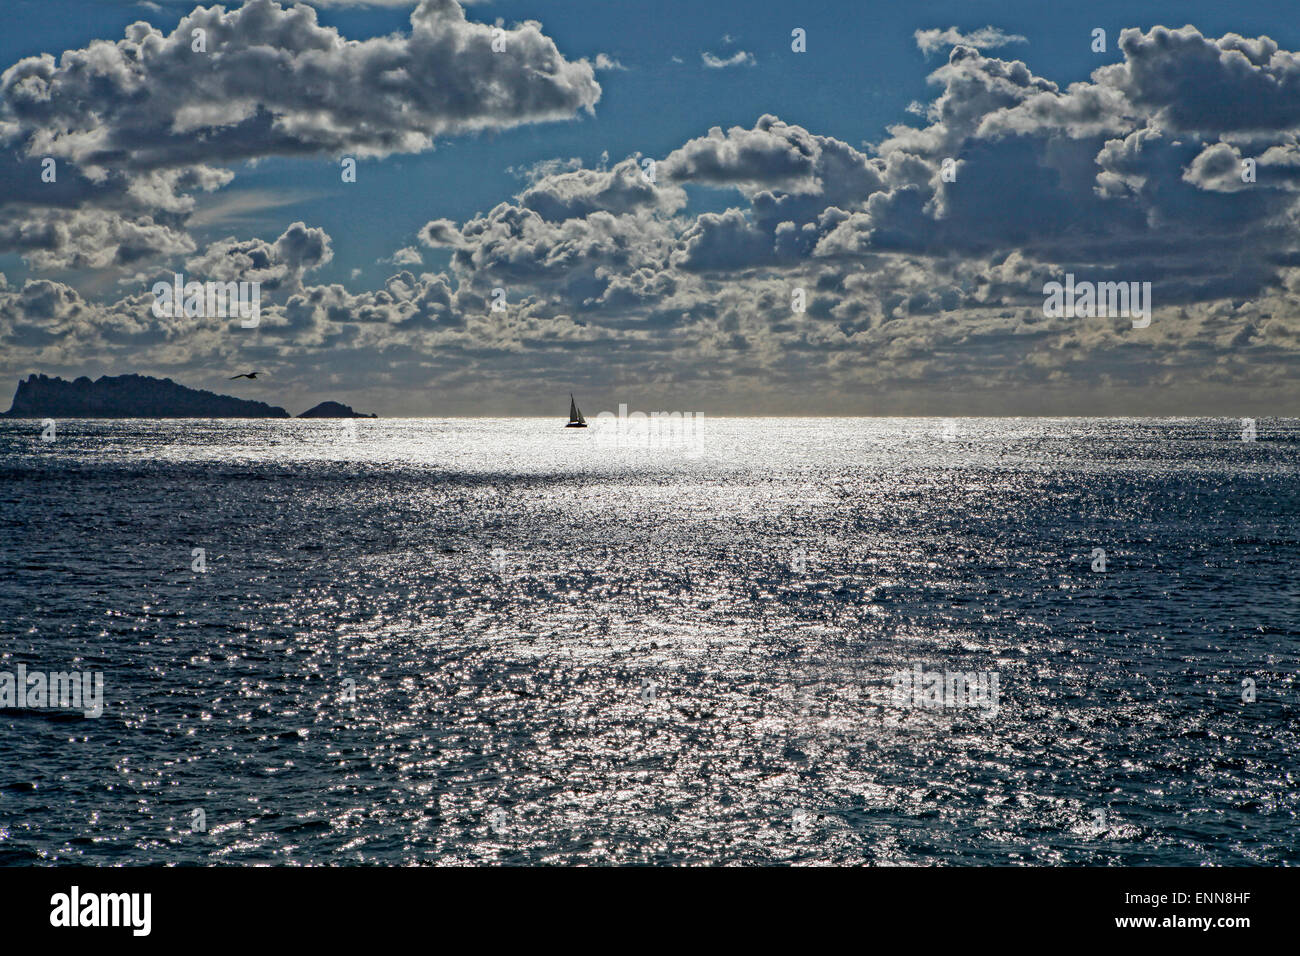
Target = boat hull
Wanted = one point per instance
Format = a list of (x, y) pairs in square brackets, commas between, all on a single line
[(576, 425)]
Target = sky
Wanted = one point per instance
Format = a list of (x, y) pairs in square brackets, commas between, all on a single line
[(665, 205)]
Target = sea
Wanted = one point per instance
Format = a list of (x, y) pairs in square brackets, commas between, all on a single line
[(770, 641)]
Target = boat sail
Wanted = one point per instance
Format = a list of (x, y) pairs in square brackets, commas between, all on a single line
[(575, 416)]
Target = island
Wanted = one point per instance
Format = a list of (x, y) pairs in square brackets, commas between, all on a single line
[(333, 410), (128, 396)]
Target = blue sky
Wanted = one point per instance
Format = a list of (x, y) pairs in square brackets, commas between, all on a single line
[(862, 71)]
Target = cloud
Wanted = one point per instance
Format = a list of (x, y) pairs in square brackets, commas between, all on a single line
[(988, 38), (135, 127), (774, 155), (739, 58), (277, 265), (149, 101), (578, 193), (406, 256), (1242, 85)]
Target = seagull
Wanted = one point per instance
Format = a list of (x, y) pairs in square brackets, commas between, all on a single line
[(245, 375)]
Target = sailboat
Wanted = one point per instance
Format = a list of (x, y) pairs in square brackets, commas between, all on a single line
[(575, 416)]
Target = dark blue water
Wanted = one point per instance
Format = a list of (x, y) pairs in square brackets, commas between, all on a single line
[(564, 651)]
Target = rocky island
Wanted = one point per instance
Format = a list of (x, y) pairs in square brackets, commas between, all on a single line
[(140, 396), (333, 410), (128, 396)]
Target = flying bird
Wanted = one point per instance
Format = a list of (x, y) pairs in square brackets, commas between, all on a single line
[(245, 375)]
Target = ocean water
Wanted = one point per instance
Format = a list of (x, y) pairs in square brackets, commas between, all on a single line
[(501, 641)]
